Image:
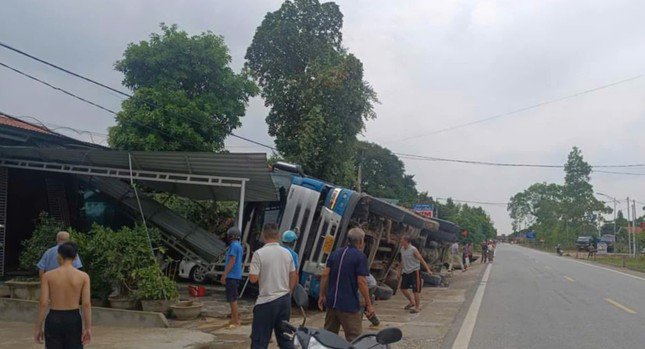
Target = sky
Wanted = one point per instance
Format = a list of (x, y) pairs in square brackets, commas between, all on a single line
[(433, 64)]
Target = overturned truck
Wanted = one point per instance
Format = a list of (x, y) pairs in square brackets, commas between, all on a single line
[(323, 213)]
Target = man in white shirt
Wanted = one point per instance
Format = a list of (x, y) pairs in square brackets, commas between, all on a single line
[(272, 267)]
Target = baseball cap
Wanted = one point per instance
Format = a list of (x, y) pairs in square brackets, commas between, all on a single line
[(289, 236)]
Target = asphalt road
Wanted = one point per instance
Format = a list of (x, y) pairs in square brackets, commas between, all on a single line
[(538, 300)]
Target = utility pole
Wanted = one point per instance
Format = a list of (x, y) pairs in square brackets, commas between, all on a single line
[(614, 220), (359, 185), (629, 239), (634, 225)]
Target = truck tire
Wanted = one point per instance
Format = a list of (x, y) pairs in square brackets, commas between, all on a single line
[(430, 280), (383, 292)]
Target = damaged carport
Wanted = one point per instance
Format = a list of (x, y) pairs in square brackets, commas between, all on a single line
[(195, 175)]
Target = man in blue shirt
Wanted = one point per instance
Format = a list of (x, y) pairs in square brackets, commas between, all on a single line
[(289, 238), (345, 273), (49, 260), (232, 275)]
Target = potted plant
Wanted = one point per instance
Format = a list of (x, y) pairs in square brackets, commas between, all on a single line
[(124, 252), (42, 238), (93, 246), (186, 310), (155, 290), (24, 288)]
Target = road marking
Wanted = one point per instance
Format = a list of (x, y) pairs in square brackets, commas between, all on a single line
[(608, 269), (569, 279), (465, 333), (589, 265), (620, 306)]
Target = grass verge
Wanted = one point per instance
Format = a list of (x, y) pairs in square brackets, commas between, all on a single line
[(635, 263)]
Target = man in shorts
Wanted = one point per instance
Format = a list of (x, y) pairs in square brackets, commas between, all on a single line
[(410, 271), (232, 275), (62, 290)]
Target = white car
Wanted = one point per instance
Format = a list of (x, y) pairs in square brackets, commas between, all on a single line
[(192, 270)]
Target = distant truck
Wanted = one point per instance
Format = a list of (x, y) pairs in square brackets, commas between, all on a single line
[(584, 243)]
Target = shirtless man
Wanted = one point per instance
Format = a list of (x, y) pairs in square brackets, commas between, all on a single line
[(62, 289)]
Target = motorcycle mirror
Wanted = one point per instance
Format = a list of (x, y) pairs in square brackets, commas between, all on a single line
[(300, 296), (389, 335)]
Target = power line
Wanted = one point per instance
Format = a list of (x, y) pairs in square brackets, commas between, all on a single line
[(620, 173), (57, 88), (92, 103), (474, 202), (408, 156), (541, 104), (63, 69), (121, 93), (503, 164), (403, 155)]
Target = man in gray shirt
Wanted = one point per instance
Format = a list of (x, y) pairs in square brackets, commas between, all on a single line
[(272, 267), (410, 271)]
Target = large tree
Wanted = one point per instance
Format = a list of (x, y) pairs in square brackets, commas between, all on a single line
[(186, 97), (580, 208), (383, 173), (560, 213), (315, 89), (538, 204)]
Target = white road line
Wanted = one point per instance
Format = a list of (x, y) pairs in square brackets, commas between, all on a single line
[(608, 269), (465, 333), (569, 279), (589, 265)]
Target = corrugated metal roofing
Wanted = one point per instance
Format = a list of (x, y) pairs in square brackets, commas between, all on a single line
[(239, 165)]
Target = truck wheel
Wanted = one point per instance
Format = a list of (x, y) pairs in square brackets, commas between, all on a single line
[(430, 280), (197, 274), (383, 292)]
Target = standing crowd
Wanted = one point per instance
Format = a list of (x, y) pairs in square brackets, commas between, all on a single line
[(345, 286), (488, 251)]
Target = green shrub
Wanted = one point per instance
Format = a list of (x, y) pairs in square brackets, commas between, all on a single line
[(125, 251), (92, 247), (42, 238), (153, 285)]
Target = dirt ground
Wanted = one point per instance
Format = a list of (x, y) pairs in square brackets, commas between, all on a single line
[(426, 329)]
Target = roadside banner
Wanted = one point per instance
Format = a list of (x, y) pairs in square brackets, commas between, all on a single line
[(425, 210)]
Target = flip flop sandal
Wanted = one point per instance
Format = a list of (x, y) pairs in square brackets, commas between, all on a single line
[(408, 307)]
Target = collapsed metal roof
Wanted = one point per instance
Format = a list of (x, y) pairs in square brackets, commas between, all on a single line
[(183, 172)]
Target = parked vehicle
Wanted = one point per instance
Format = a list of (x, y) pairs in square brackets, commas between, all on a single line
[(309, 337), (609, 240), (584, 243)]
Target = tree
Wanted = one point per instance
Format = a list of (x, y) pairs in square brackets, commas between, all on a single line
[(383, 173), (580, 208), (319, 101), (186, 97), (560, 213), (538, 204), (473, 219)]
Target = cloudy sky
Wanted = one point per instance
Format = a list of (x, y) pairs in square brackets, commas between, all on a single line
[(434, 64)]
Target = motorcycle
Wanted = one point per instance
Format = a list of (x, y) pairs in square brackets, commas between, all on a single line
[(558, 250), (317, 338)]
